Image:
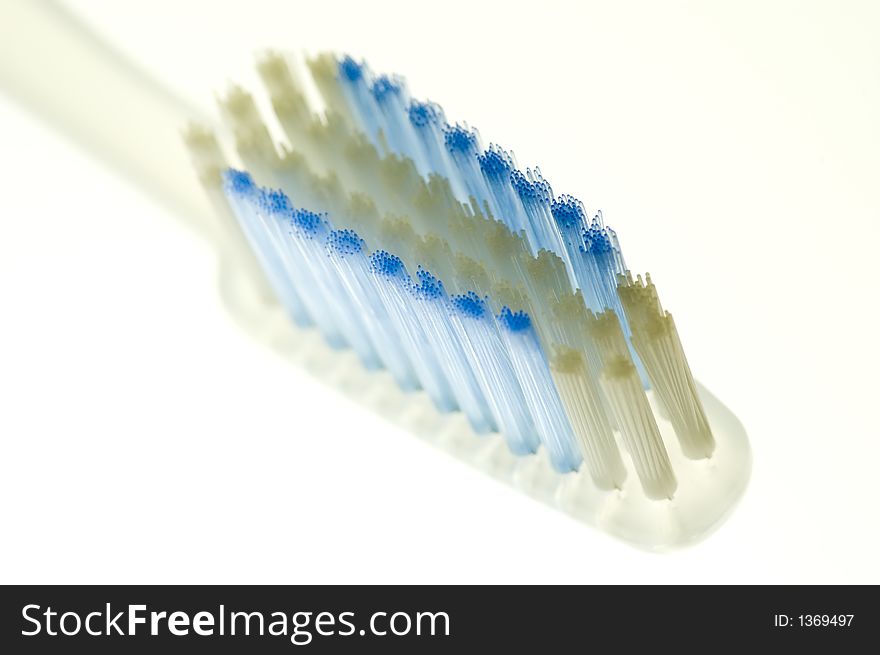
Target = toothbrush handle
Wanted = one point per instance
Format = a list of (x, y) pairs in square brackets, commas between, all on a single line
[(60, 70)]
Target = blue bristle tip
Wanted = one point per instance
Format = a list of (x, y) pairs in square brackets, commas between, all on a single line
[(350, 69), (521, 184), (422, 113), (597, 239), (469, 304), (307, 221), (495, 162), (459, 139), (238, 181), (384, 263), (385, 86), (429, 286), (568, 211), (345, 242), (514, 321), (528, 189), (275, 201)]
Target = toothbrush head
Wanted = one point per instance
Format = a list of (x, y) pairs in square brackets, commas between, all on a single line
[(521, 313)]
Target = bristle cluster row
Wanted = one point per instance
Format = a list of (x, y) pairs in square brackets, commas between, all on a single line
[(440, 260), (454, 346)]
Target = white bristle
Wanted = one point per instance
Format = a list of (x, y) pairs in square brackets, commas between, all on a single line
[(656, 341), (585, 409), (638, 428)]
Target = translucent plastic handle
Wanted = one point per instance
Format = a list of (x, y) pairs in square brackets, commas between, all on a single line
[(61, 71)]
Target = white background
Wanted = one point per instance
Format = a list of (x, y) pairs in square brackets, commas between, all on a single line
[(734, 147)]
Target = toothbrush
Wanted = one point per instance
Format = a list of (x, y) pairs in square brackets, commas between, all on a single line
[(401, 236), (458, 281)]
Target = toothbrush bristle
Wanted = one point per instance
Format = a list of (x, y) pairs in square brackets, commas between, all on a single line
[(387, 265), (495, 163), (429, 286), (307, 222), (276, 202), (423, 113), (384, 86), (568, 212), (515, 321), (239, 182), (345, 242), (469, 304), (459, 139), (350, 69)]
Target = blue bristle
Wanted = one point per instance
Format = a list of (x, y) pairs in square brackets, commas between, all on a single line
[(307, 222), (349, 262), (239, 182), (523, 200), (275, 201), (428, 286), (531, 189), (491, 360), (515, 321), (533, 373), (495, 162), (524, 188), (597, 239), (431, 313), (350, 69), (422, 113), (244, 197), (385, 86), (469, 304), (568, 212), (345, 242), (459, 139), (384, 263), (415, 327)]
